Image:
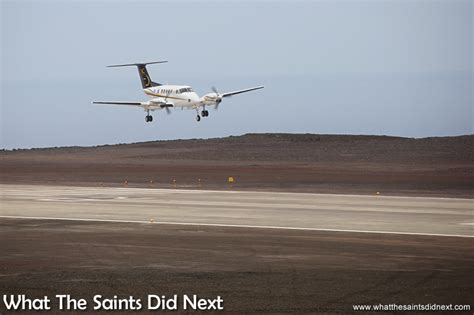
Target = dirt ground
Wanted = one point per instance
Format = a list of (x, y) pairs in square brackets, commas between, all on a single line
[(442, 166), (254, 270)]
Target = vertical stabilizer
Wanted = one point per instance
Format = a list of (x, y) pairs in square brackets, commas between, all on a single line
[(142, 72)]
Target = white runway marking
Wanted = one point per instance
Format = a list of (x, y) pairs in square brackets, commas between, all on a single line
[(236, 226)]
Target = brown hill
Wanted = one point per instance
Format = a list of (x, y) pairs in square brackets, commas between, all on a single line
[(291, 162)]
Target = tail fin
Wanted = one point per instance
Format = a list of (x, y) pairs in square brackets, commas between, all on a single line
[(142, 72)]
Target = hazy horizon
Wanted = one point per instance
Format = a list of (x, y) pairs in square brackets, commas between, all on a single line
[(375, 68)]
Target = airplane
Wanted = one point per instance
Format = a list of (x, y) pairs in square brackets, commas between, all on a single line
[(164, 96)]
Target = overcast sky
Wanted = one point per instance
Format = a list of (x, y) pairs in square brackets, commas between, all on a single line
[(344, 67)]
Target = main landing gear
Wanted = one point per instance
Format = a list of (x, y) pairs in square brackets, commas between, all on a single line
[(204, 113), (148, 117)]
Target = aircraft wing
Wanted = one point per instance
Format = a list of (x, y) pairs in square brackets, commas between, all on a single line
[(121, 103), (241, 91), (153, 104)]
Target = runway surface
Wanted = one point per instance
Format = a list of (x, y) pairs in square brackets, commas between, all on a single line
[(262, 252), (375, 214)]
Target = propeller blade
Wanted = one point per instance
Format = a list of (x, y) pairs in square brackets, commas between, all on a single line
[(168, 111), (218, 97)]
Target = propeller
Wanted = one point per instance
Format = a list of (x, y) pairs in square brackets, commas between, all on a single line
[(168, 111), (218, 97)]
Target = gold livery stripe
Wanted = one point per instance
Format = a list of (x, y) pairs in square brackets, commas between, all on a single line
[(164, 96)]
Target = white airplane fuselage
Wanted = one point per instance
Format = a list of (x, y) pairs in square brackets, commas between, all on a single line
[(166, 96), (181, 96)]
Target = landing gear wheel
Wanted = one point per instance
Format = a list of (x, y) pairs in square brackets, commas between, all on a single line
[(148, 118), (198, 118)]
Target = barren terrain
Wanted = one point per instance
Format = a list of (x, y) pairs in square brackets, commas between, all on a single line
[(56, 239), (442, 166), (256, 271)]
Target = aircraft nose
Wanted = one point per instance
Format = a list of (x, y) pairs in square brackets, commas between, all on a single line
[(195, 97)]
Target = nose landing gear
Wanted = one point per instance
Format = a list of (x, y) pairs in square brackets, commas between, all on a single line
[(205, 113)]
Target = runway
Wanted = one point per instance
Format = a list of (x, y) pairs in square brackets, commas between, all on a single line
[(319, 212), (260, 251)]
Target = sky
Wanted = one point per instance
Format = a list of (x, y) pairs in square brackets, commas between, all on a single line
[(402, 68)]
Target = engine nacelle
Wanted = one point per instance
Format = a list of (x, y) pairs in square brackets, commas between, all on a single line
[(211, 99)]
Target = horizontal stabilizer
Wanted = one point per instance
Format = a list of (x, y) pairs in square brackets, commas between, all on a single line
[(138, 64)]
